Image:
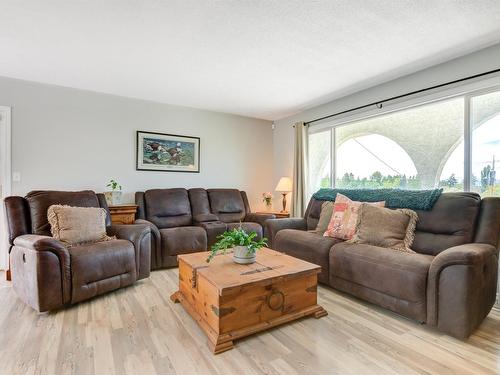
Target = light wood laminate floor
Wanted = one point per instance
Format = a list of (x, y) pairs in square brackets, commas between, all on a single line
[(138, 330)]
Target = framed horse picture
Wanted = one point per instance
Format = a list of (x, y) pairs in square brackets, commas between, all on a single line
[(167, 152)]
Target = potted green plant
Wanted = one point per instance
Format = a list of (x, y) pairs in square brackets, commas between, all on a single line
[(242, 243), (114, 196)]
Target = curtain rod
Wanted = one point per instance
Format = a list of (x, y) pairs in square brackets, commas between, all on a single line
[(379, 103)]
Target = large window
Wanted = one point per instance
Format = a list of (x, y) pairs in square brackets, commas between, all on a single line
[(416, 148), (372, 161), (485, 110)]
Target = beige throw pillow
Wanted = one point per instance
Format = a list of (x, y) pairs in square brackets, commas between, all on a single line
[(324, 217), (77, 225), (383, 227)]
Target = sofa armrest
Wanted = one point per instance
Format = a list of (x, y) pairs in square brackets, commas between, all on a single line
[(152, 227), (461, 288), (41, 243), (30, 248), (140, 236), (260, 218), (155, 242), (273, 226), (213, 229)]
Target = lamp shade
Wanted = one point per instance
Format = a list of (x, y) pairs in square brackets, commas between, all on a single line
[(284, 184)]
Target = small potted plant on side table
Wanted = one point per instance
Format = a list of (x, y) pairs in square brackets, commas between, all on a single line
[(114, 196), (242, 243)]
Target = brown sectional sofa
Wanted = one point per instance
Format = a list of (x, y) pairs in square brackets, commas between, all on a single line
[(47, 275), (185, 221), (449, 283)]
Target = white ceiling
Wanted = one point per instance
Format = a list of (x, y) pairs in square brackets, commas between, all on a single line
[(260, 58)]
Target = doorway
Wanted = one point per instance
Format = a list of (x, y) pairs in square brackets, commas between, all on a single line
[(5, 181)]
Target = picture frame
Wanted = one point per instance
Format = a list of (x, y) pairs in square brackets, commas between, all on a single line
[(163, 152)]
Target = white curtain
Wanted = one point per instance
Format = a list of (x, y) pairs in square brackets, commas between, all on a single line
[(300, 163)]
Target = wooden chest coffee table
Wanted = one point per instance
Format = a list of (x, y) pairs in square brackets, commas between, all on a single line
[(230, 300)]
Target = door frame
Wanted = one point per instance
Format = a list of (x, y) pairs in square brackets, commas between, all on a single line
[(6, 177)]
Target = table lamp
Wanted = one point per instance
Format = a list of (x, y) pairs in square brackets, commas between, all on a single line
[(284, 187)]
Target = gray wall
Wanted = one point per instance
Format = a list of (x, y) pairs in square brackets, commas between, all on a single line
[(478, 62), (71, 139)]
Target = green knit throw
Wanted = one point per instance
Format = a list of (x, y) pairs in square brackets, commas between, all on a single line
[(394, 198)]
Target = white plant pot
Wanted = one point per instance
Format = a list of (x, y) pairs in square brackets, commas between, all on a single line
[(113, 197), (242, 256)]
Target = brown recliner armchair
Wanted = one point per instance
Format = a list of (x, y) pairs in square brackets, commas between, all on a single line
[(48, 275)]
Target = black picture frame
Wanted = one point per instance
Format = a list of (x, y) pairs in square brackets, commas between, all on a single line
[(159, 144)]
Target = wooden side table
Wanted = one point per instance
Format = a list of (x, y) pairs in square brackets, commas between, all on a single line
[(278, 214), (123, 213)]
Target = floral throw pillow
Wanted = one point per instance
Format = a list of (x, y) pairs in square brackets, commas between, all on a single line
[(345, 216)]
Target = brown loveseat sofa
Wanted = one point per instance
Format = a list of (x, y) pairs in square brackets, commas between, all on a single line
[(185, 221), (449, 283), (47, 275)]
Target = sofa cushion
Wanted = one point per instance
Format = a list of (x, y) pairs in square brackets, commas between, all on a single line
[(213, 229), (18, 217), (488, 222), (168, 208), (451, 222), (400, 275), (40, 201), (200, 204), (183, 240), (313, 213), (77, 225), (227, 204), (306, 245), (248, 227), (101, 267)]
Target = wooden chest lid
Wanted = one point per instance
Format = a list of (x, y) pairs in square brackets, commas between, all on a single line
[(226, 275)]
